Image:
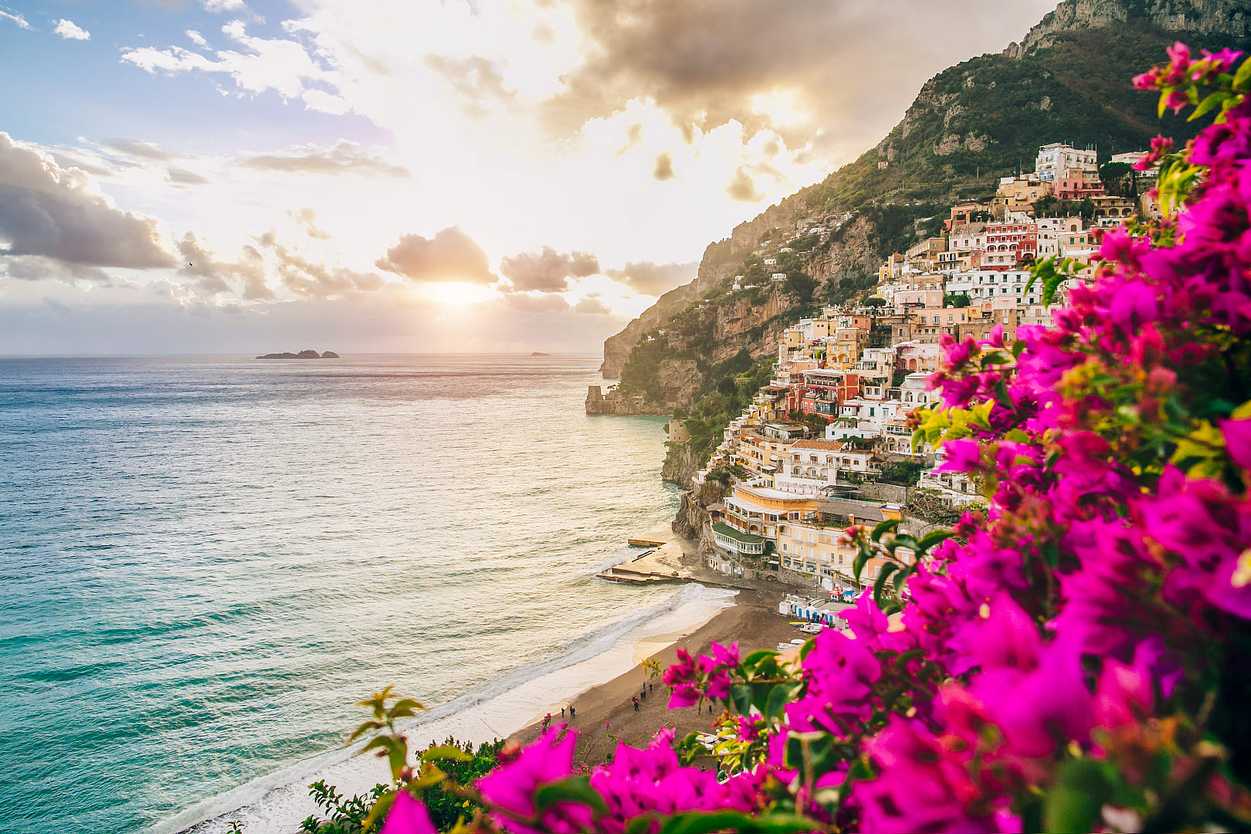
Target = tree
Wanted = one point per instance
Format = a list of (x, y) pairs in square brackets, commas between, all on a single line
[(956, 299), (800, 285), (1117, 177)]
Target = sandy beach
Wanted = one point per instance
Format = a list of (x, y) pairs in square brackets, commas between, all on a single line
[(605, 715)]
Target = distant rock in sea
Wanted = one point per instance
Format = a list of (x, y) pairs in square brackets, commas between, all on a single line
[(540, 353), (304, 354)]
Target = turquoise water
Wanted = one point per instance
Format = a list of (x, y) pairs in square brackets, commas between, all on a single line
[(205, 562)]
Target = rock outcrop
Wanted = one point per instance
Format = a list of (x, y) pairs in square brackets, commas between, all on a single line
[(681, 463), (304, 354), (692, 518), (1208, 17), (620, 404), (617, 348)]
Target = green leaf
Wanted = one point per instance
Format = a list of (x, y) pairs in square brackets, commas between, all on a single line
[(857, 565), (1074, 804), (1242, 78), (640, 824), (365, 727), (880, 583), (884, 527), (753, 660), (404, 708), (575, 789), (903, 540), (779, 697), (445, 752), (1212, 100), (930, 539), (707, 822), (740, 698)]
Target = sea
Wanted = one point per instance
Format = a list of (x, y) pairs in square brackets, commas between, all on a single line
[(206, 561)]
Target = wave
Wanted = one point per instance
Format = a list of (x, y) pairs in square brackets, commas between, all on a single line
[(278, 801)]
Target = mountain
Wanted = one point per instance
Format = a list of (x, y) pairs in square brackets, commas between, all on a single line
[(699, 350)]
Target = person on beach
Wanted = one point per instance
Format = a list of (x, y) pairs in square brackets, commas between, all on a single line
[(562, 713), (572, 712), (547, 721), (635, 700)]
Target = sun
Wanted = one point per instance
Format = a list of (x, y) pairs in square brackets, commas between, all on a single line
[(457, 293), (783, 107)]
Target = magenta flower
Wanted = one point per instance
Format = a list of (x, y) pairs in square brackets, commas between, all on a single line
[(1238, 441), (407, 816), (924, 787), (964, 455), (510, 786), (681, 678)]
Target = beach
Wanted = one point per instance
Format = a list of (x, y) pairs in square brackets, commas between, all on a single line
[(605, 715)]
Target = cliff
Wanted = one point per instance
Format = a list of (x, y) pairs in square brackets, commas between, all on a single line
[(1068, 79), (1207, 17), (692, 517), (617, 348)]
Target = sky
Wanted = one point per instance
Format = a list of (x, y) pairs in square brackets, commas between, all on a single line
[(237, 176)]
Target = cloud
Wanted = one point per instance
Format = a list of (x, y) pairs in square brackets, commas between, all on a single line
[(36, 268), (14, 18), (475, 78), (548, 270), (664, 167), (244, 277), (71, 31), (133, 147), (451, 255), (181, 176), (791, 67), (343, 158), (307, 218), (650, 278), (278, 64), (52, 211), (526, 303), (592, 306), (742, 187), (196, 38), (219, 6), (306, 278)]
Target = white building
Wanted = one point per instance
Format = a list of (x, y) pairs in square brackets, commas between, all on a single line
[(1056, 160), (987, 284)]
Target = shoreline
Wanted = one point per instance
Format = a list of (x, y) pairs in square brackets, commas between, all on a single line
[(605, 714), (278, 801)]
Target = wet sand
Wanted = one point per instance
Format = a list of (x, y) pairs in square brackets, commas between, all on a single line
[(605, 715)]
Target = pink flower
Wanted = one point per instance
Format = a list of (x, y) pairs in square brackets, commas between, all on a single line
[(1238, 441), (923, 787), (681, 678), (511, 786), (964, 455), (407, 816)]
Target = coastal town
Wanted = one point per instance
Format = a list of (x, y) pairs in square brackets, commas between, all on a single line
[(827, 444)]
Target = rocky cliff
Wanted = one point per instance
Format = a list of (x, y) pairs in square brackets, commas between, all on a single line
[(1207, 17), (617, 348), (692, 517)]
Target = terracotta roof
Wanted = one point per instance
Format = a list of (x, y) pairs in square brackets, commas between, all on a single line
[(817, 444)]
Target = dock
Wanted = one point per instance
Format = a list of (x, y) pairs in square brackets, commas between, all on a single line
[(664, 561)]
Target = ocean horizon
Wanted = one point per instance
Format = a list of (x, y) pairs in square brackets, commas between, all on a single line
[(208, 560)]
